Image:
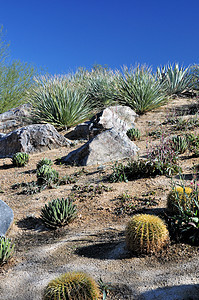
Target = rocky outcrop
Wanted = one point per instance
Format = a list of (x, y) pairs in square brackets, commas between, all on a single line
[(6, 218), (31, 139)]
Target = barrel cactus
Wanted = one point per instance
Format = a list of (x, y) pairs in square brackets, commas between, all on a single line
[(146, 234), (133, 134), (20, 159), (179, 196), (58, 213), (72, 286), (6, 250)]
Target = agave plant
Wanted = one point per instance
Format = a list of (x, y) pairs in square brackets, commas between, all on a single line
[(58, 213), (175, 79), (44, 161), (140, 90), (57, 102), (46, 175), (20, 159), (6, 250)]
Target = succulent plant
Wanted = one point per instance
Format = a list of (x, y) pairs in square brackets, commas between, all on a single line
[(58, 213), (44, 161), (146, 234), (20, 159), (46, 175), (72, 286), (133, 134), (179, 144), (6, 249), (179, 195)]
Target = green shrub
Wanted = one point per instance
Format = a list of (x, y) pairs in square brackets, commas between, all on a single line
[(56, 101), (6, 250), (140, 90), (20, 159), (133, 134), (179, 144), (175, 79), (146, 234), (58, 213), (46, 175), (44, 161), (72, 286)]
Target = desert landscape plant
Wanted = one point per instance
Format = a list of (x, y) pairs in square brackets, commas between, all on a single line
[(179, 144), (72, 286), (134, 134), (20, 159), (46, 175), (6, 250), (44, 161), (180, 195), (58, 213), (146, 234)]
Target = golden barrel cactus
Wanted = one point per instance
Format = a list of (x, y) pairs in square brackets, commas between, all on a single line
[(72, 286), (179, 195), (146, 234)]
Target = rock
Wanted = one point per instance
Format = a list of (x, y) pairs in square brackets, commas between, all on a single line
[(109, 145), (6, 218), (119, 117), (81, 131), (15, 117), (31, 139)]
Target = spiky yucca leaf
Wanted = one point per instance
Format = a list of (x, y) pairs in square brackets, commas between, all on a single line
[(140, 90), (176, 79), (145, 234), (72, 286), (58, 213), (6, 250)]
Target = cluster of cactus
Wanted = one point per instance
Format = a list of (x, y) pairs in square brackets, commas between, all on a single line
[(179, 144), (46, 175), (72, 286), (133, 134), (146, 234), (6, 250), (58, 213), (180, 195), (20, 159)]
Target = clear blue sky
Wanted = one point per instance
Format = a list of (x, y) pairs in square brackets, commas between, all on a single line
[(62, 35)]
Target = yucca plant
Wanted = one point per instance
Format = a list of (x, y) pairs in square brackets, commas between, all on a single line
[(72, 286), (175, 79), (179, 144), (20, 159), (6, 250), (44, 161), (58, 213), (46, 175), (56, 101), (133, 134), (146, 234), (139, 89)]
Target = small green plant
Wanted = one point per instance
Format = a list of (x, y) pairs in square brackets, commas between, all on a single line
[(146, 234), (193, 142), (6, 250), (72, 286), (20, 159), (104, 288), (179, 144), (133, 134), (44, 161), (180, 195), (46, 175), (58, 213)]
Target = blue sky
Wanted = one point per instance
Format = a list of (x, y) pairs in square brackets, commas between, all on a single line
[(62, 35)]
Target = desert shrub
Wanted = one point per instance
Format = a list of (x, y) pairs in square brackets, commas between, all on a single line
[(46, 175), (175, 79), (146, 234), (193, 142), (58, 213), (44, 161), (20, 159), (56, 101), (184, 221), (179, 144), (179, 195), (139, 89), (72, 286), (6, 250), (133, 134)]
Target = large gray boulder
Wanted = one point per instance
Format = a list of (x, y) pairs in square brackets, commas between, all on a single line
[(6, 218), (109, 145), (31, 139)]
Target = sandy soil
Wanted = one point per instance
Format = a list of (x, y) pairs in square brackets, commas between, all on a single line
[(95, 241)]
